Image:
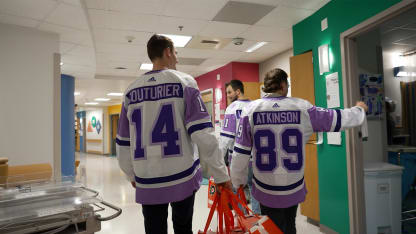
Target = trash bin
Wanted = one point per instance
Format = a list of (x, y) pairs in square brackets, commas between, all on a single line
[(383, 201)]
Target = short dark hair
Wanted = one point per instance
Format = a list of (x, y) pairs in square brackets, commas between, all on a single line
[(274, 79), (156, 45), (236, 84)]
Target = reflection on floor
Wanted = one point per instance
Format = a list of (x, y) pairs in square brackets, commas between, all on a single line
[(102, 173)]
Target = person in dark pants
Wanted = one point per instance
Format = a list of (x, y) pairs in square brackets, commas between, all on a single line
[(182, 212), (274, 130), (282, 217), (162, 118)]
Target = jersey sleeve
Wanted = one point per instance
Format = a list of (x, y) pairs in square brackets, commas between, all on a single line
[(123, 145), (227, 135), (199, 127), (242, 151), (334, 120)]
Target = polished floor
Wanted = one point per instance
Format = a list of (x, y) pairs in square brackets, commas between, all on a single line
[(103, 174)]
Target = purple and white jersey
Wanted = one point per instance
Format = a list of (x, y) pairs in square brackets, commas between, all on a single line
[(161, 120), (229, 128), (274, 131)]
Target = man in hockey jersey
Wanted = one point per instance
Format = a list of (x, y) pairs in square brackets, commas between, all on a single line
[(161, 120), (274, 131), (235, 95)]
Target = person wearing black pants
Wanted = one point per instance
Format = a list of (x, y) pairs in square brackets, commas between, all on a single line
[(155, 216), (284, 218)]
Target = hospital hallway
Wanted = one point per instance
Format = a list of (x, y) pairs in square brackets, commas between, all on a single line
[(102, 173)]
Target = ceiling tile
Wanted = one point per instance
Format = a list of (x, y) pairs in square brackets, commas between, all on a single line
[(227, 55), (68, 15), (223, 29), (396, 35), (246, 44), (242, 12), (194, 9), (82, 51), (155, 7), (71, 59), (263, 2), (18, 20), (170, 25), (283, 16), (123, 49), (67, 34), (38, 9), (186, 68), (97, 4), (305, 4), (119, 36), (123, 21), (73, 2), (270, 34)]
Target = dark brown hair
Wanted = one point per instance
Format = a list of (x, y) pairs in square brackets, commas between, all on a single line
[(236, 84), (156, 45), (273, 80)]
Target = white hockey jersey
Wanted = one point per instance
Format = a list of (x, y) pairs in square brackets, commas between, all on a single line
[(231, 120), (162, 117), (274, 130)]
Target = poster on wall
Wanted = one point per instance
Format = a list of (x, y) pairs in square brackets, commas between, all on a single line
[(372, 94), (95, 137)]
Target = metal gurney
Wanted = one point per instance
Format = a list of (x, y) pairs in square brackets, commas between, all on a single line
[(54, 207)]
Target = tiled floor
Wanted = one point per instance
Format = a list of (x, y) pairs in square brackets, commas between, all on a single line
[(103, 174)]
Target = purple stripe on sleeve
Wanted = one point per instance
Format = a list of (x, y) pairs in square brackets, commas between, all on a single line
[(279, 201), (243, 135), (178, 192), (229, 123), (123, 124), (194, 106), (321, 119)]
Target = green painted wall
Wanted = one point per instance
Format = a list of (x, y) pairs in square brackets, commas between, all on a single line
[(307, 35)]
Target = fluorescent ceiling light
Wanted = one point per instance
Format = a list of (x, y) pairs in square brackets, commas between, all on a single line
[(256, 46), (76, 93), (91, 103), (402, 73), (102, 99), (115, 94), (146, 66), (178, 40)]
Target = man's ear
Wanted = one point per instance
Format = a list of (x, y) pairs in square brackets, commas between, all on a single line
[(168, 52)]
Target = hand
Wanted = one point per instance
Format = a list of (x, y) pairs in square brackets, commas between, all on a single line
[(362, 105), (225, 185), (133, 183)]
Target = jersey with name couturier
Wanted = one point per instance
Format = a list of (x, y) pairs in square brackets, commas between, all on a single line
[(164, 131), (274, 131)]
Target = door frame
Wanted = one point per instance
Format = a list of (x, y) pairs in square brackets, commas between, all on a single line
[(354, 147)]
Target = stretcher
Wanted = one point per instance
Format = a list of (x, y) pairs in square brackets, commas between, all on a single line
[(52, 207)]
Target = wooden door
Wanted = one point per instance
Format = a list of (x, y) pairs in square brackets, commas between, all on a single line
[(114, 125), (303, 86)]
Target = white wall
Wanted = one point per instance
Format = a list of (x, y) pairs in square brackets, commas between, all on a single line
[(27, 89), (281, 61)]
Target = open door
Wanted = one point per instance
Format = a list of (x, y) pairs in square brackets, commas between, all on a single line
[(303, 86)]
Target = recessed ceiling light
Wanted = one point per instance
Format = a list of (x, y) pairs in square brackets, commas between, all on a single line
[(76, 93), (115, 94), (146, 66), (256, 46), (102, 99), (91, 103), (178, 40), (61, 63)]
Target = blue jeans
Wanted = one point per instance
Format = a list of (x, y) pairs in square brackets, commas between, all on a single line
[(255, 205)]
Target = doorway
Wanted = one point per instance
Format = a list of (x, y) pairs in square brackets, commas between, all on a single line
[(114, 124), (372, 56)]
